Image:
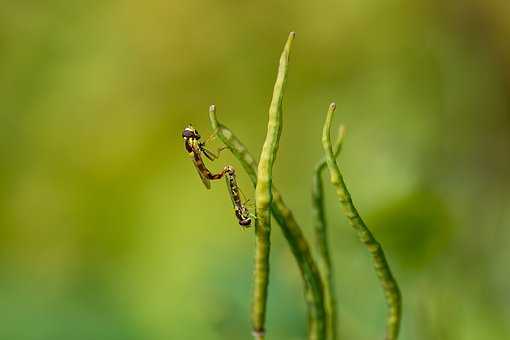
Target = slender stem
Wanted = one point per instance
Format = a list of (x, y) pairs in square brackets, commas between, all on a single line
[(263, 196), (382, 268), (321, 235), (290, 228)]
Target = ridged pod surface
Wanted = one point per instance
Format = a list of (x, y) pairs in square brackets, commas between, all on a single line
[(382, 268), (290, 228), (321, 235), (264, 196)]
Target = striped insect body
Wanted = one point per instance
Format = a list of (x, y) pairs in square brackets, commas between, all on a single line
[(242, 213), (196, 149)]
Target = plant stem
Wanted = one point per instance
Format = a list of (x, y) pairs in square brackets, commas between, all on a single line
[(290, 228), (263, 196), (321, 234), (388, 282)]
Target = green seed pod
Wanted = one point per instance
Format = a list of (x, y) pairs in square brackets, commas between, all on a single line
[(382, 268), (290, 228), (321, 235)]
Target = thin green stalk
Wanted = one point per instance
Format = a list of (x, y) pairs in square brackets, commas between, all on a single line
[(321, 234), (263, 197), (388, 282), (290, 228)]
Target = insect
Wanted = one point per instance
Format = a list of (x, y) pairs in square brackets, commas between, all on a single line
[(242, 213), (195, 149)]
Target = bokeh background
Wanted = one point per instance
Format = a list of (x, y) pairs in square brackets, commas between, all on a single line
[(106, 231)]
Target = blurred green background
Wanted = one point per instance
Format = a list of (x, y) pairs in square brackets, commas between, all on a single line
[(106, 231)]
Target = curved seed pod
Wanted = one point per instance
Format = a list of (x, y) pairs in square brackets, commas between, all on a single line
[(290, 228), (382, 268), (322, 240)]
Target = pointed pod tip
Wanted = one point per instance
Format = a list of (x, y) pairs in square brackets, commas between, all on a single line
[(290, 39)]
